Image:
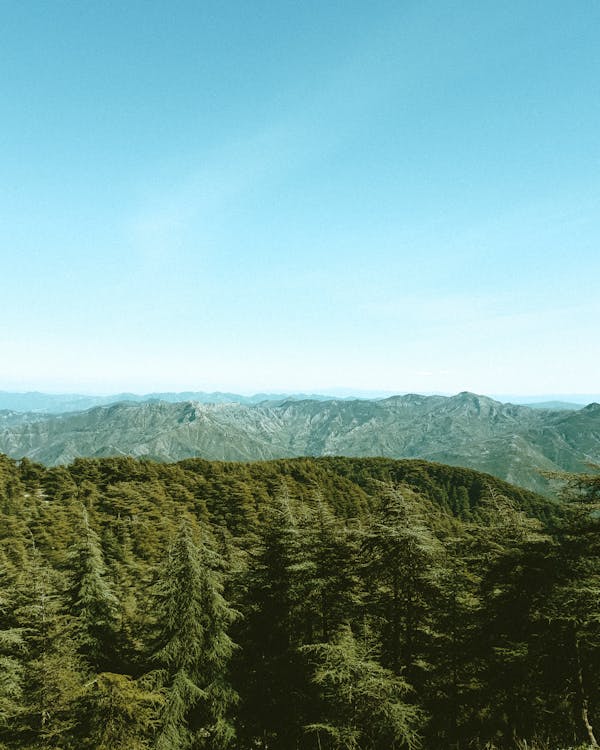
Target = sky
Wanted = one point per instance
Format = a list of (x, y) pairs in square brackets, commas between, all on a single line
[(300, 196)]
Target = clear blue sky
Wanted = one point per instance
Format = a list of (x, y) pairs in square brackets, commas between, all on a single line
[(307, 195)]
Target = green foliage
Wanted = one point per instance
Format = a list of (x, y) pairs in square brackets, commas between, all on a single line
[(11, 650), (193, 648), (374, 603), (92, 600), (401, 556), (364, 704), (269, 670), (53, 673), (331, 557), (124, 710)]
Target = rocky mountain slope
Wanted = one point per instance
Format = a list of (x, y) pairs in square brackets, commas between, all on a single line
[(59, 403), (512, 442)]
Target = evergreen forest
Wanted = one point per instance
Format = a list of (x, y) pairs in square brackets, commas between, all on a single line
[(297, 604)]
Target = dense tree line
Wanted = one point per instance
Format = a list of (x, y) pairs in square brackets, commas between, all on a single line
[(289, 605)]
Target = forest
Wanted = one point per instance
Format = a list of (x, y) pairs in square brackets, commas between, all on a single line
[(297, 604)]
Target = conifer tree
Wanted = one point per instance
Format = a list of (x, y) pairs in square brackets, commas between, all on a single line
[(516, 570), (493, 622), (574, 604), (132, 579), (193, 648), (270, 669), (402, 555), (453, 684), (329, 550), (11, 653), (124, 711), (54, 675), (92, 600), (364, 705), (11, 488)]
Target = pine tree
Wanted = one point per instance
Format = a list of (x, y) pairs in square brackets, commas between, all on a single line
[(53, 674), (573, 607), (92, 600), (270, 669), (402, 555), (515, 565), (364, 704), (193, 648), (11, 653), (329, 551), (124, 711), (453, 682)]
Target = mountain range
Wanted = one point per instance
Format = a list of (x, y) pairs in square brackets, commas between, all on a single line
[(60, 403), (513, 442)]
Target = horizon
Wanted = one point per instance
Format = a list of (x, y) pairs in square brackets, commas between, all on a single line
[(400, 198), (582, 399)]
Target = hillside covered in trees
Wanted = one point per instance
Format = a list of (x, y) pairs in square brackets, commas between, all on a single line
[(299, 604), (516, 443)]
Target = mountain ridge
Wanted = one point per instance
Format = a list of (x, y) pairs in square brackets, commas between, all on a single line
[(58, 403), (513, 442)]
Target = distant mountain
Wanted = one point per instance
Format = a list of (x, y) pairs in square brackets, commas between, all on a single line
[(555, 405), (510, 441), (566, 400), (60, 403)]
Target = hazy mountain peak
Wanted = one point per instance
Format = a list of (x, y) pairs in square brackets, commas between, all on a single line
[(593, 408), (474, 397)]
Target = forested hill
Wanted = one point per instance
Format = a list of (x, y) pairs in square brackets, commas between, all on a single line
[(353, 486), (314, 604), (512, 442)]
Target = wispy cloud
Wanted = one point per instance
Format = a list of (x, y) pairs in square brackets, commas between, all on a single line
[(297, 136)]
